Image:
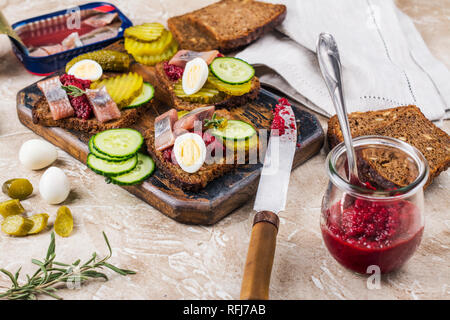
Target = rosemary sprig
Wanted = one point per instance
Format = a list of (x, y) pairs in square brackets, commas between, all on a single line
[(51, 274), (73, 90), (214, 122)]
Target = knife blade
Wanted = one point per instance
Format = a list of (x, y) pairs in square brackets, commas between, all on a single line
[(270, 200)]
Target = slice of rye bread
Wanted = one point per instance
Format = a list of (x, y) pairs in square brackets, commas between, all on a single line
[(184, 180), (42, 115), (405, 123), (164, 92), (226, 25)]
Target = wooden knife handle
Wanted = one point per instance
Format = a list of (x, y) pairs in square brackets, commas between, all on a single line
[(261, 250)]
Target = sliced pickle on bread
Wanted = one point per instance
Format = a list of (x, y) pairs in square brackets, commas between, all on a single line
[(109, 60), (123, 89), (145, 32), (207, 94), (231, 89), (151, 60), (142, 48)]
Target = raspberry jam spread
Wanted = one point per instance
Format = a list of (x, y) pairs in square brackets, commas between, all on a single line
[(365, 233), (279, 122), (172, 71), (80, 104)]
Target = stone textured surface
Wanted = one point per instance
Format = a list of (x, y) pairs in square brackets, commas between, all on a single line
[(175, 261)]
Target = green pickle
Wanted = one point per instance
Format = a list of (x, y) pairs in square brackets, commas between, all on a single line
[(17, 188), (40, 221), (231, 89), (207, 94), (11, 208), (110, 60), (64, 222), (17, 226)]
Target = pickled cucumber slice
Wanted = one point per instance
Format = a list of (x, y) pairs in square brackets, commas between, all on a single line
[(17, 188), (231, 89), (110, 60), (11, 208), (145, 32), (207, 94), (151, 60), (157, 47), (64, 222), (40, 221), (123, 89), (17, 226)]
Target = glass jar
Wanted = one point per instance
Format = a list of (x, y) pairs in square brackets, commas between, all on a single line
[(382, 223)]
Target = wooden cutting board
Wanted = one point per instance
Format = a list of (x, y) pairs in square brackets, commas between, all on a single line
[(221, 196)]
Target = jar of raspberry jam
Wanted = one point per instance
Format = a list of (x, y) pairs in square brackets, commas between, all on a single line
[(380, 222)]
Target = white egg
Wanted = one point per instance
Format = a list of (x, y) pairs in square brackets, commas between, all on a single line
[(194, 76), (190, 152), (54, 186), (86, 69), (36, 154)]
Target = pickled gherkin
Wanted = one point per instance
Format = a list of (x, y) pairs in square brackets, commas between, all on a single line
[(157, 47), (40, 221), (207, 94), (110, 60), (145, 32), (123, 89), (231, 89), (151, 60), (17, 225), (11, 208), (17, 188), (64, 222)]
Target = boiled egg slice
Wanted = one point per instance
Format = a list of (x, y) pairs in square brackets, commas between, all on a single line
[(190, 152), (86, 69), (194, 76)]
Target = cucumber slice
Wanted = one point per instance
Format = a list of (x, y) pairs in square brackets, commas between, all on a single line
[(232, 70), (143, 170), (108, 168), (100, 155), (118, 143), (234, 130), (146, 95)]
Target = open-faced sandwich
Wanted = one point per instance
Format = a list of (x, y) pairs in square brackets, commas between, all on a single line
[(88, 100), (193, 148)]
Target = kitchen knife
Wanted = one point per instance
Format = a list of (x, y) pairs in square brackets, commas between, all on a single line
[(270, 200)]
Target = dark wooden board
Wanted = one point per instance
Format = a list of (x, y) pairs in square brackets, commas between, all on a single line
[(221, 196)]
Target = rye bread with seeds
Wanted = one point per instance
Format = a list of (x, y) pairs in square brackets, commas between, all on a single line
[(226, 25), (404, 123), (164, 92), (42, 115)]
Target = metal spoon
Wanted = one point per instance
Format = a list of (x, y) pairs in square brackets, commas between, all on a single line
[(330, 65), (6, 28)]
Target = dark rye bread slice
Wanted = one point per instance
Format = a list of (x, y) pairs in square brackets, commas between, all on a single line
[(187, 181), (164, 92), (42, 115), (405, 123), (226, 25)]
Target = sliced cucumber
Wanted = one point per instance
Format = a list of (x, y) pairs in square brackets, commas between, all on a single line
[(118, 143), (143, 170), (108, 168), (146, 95), (100, 155), (235, 130), (232, 70)]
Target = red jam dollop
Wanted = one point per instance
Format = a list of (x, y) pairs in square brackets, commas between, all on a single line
[(80, 104), (365, 233), (172, 71), (279, 122)]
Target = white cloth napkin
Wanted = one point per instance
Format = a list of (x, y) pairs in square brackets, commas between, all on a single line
[(385, 61)]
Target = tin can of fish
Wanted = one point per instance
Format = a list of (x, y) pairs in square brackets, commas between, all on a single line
[(54, 39)]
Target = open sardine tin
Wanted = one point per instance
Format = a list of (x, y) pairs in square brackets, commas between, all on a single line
[(54, 39)]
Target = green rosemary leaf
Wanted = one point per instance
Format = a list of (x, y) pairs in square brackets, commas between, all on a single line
[(94, 274), (76, 263), (51, 247), (118, 270), (61, 264), (107, 243), (16, 276), (9, 274)]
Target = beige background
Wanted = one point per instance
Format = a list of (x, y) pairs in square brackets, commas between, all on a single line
[(175, 261)]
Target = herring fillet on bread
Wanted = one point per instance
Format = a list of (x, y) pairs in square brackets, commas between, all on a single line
[(406, 123), (226, 25), (164, 92)]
